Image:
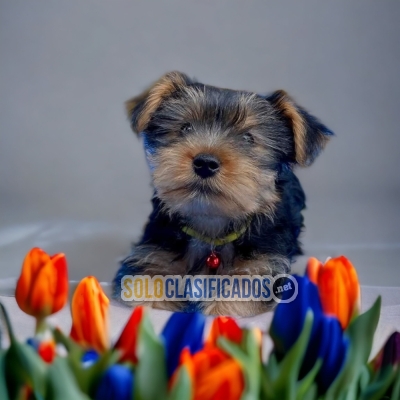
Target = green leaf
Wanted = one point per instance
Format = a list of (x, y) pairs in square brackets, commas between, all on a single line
[(286, 384), (365, 377), (311, 393), (7, 322), (280, 380), (303, 387), (396, 386), (150, 373), (376, 389), (24, 366), (268, 375), (71, 346), (361, 333), (86, 377), (61, 384), (182, 389), (248, 355), (3, 385)]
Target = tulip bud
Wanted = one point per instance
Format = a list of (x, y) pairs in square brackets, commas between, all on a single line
[(226, 327), (182, 330), (89, 358), (116, 384), (326, 341), (390, 353), (47, 350), (89, 309), (42, 288), (338, 286), (127, 341), (213, 373)]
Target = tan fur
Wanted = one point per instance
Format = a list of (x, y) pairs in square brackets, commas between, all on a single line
[(286, 105), (157, 262), (239, 188), (163, 88), (264, 265)]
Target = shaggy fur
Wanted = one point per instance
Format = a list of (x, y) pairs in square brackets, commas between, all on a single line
[(250, 144)]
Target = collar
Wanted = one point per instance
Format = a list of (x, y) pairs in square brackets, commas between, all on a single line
[(218, 241)]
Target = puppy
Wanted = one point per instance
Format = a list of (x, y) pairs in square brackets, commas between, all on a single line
[(226, 200)]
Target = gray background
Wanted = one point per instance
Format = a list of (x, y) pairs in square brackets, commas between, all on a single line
[(72, 175)]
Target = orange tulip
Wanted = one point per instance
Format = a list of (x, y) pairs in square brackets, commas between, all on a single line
[(338, 286), (226, 327), (42, 288), (89, 309), (128, 339), (214, 374)]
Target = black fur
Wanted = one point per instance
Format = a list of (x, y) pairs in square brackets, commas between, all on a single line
[(259, 139)]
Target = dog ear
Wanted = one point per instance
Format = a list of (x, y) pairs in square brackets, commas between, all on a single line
[(141, 108), (309, 134)]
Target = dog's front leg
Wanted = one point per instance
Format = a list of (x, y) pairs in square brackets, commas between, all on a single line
[(150, 260), (264, 265)]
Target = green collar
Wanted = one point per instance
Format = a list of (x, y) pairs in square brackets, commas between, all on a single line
[(220, 241)]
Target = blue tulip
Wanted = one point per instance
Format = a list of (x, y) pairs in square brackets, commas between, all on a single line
[(332, 349), (33, 342), (326, 339), (182, 330), (116, 384), (89, 358)]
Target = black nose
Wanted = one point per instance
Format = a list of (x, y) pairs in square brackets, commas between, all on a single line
[(205, 165)]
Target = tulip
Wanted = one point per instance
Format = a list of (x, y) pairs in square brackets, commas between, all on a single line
[(182, 330), (389, 354), (47, 351), (42, 288), (226, 327), (338, 287), (89, 309), (326, 340), (214, 374), (116, 384), (128, 338), (89, 358)]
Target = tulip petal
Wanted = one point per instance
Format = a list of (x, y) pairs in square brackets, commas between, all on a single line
[(116, 384), (223, 381), (332, 352), (47, 351), (33, 261), (312, 269), (43, 290), (89, 309), (182, 330), (288, 319), (226, 327), (61, 292), (339, 289), (213, 373), (128, 338)]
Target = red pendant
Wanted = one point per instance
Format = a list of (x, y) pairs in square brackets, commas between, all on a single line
[(213, 261)]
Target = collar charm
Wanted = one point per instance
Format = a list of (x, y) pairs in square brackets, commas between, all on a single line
[(213, 260)]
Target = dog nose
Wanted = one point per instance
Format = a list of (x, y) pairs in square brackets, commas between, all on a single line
[(205, 165)]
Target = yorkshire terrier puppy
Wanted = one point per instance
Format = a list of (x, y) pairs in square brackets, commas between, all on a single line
[(222, 168)]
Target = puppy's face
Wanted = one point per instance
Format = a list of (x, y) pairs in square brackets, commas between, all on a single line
[(217, 152)]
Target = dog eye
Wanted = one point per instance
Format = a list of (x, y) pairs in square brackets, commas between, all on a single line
[(248, 137), (185, 128)]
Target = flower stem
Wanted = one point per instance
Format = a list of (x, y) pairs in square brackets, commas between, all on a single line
[(40, 325)]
